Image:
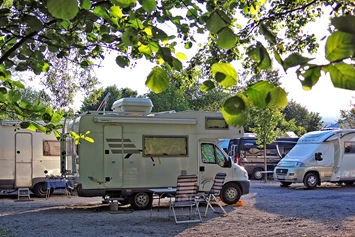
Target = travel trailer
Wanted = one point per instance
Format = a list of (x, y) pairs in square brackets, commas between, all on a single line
[(135, 150), (26, 158), (320, 156)]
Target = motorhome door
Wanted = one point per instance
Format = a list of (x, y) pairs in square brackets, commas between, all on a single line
[(211, 162), (113, 148), (23, 159)]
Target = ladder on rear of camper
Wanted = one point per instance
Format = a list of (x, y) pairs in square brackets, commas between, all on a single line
[(23, 192)]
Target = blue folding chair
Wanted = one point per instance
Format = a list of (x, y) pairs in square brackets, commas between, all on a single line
[(211, 197)]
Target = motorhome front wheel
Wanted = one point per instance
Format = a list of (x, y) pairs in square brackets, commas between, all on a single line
[(311, 181), (230, 193)]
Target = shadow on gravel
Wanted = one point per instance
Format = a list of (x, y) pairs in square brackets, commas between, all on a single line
[(327, 202)]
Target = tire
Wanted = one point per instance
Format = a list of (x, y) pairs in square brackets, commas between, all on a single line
[(256, 174), (311, 181), (39, 190), (141, 201), (285, 184), (230, 193)]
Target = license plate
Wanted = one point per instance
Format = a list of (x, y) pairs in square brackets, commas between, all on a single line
[(281, 177)]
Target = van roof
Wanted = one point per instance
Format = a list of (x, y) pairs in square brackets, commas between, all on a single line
[(321, 136)]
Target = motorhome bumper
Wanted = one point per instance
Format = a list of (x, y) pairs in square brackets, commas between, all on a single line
[(289, 174), (245, 185), (90, 192)]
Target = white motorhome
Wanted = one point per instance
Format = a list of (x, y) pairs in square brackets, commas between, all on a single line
[(320, 156), (26, 157), (135, 151)]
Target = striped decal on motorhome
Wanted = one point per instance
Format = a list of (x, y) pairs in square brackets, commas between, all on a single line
[(119, 146)]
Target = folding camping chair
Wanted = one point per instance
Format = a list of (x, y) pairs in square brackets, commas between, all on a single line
[(185, 196), (211, 197)]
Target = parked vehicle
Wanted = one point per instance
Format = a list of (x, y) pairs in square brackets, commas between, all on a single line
[(26, 157), (321, 156), (135, 151), (247, 153)]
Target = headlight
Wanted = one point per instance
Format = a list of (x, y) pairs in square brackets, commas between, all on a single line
[(299, 164)]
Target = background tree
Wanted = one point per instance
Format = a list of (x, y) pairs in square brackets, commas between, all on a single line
[(311, 121), (347, 117), (93, 101), (266, 121)]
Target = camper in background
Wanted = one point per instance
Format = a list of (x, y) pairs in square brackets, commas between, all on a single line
[(320, 156), (247, 153), (135, 151), (26, 157)]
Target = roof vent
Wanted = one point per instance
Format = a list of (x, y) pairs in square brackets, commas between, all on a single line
[(142, 105)]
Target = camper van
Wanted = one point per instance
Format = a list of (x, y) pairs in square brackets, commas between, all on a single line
[(320, 156), (26, 158), (135, 151), (246, 152)]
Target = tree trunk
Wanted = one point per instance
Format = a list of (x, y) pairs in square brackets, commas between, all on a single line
[(265, 164)]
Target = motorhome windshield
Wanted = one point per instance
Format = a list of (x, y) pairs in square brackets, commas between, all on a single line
[(302, 150)]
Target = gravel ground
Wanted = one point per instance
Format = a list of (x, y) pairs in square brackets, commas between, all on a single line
[(268, 210)]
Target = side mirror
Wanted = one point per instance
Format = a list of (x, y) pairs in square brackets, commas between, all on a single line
[(228, 162), (318, 156)]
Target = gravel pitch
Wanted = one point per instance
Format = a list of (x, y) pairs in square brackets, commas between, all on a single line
[(268, 210)]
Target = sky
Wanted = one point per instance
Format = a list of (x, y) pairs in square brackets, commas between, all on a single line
[(323, 98)]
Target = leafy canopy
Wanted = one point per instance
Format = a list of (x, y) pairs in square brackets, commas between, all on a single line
[(134, 29)]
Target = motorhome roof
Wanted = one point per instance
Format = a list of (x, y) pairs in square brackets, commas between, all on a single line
[(321, 136)]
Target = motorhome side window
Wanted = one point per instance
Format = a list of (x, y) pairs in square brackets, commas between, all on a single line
[(211, 154), (216, 123), (349, 147), (51, 148), (165, 146)]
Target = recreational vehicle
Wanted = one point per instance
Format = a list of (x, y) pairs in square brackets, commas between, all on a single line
[(26, 157), (320, 156), (135, 151)]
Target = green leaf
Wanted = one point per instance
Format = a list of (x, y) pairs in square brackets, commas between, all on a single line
[(146, 50), (130, 37), (14, 95), (228, 70), (85, 4), (265, 62), (122, 61), (39, 127), (89, 139), (2, 97), (136, 23), (342, 75), (32, 22), (258, 92), (217, 21), (181, 56), (18, 84), (153, 46), (65, 10), (157, 80), (74, 135), (159, 34), (277, 97), (46, 117), (188, 45), (148, 5), (226, 38), (32, 127), (339, 46), (278, 58), (56, 118), (311, 77), (100, 11), (166, 55), (344, 23), (295, 60), (3, 90), (177, 64), (268, 35), (235, 110), (24, 125), (124, 3), (115, 12), (207, 85)]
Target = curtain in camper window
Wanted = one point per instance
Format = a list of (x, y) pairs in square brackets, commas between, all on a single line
[(207, 152), (164, 146)]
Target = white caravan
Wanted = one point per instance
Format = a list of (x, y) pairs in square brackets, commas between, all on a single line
[(26, 157), (320, 156), (135, 151)]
